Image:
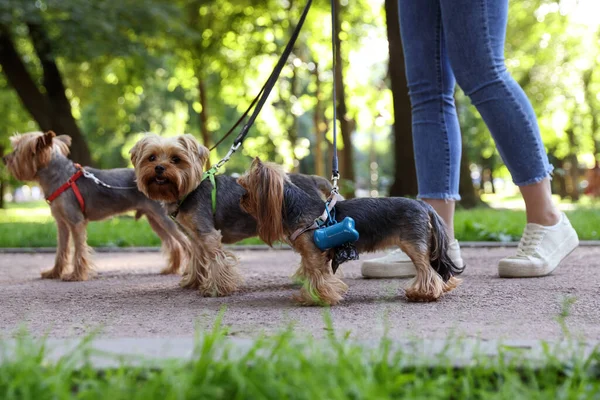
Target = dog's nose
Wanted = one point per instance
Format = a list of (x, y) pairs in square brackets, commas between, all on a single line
[(159, 169)]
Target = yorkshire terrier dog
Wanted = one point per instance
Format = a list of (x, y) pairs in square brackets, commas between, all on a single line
[(170, 170), (281, 208), (42, 157)]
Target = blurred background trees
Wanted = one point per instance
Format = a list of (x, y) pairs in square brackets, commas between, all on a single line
[(106, 71)]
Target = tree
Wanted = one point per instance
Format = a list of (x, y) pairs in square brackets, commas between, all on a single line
[(320, 126), (405, 176), (50, 108), (40, 40), (346, 123)]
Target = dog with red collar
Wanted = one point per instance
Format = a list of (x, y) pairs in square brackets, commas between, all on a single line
[(77, 195)]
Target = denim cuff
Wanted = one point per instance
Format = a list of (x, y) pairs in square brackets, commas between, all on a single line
[(537, 179), (439, 196)]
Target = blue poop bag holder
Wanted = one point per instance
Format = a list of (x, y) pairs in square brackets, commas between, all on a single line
[(336, 234), (337, 237)]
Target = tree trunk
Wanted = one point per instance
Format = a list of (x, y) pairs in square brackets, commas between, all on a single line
[(466, 189), (405, 176), (347, 159), (590, 99), (293, 129), (574, 169), (1, 180), (18, 77), (62, 117), (318, 126), (51, 111), (203, 115), (373, 169)]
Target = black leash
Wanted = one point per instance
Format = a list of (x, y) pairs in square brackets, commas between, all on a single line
[(335, 173), (241, 118), (262, 96), (258, 101)]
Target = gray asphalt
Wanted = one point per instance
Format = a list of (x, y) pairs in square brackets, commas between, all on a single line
[(128, 299)]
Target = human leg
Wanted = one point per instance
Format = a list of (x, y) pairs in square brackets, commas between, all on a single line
[(475, 35)]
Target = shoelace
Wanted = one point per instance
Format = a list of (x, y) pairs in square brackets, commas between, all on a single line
[(532, 238)]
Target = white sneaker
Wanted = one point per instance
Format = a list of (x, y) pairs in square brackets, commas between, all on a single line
[(540, 250), (398, 265)]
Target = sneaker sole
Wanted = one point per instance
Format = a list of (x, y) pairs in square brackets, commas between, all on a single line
[(388, 270), (520, 271), (405, 269)]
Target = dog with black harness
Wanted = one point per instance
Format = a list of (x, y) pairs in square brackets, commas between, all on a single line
[(286, 213)]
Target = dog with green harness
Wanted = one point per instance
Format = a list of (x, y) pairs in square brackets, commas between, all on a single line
[(205, 206)]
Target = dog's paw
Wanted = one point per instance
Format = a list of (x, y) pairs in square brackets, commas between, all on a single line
[(50, 274), (451, 284), (168, 270), (311, 297), (73, 277), (418, 296)]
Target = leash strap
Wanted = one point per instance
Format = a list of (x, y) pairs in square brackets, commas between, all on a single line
[(70, 184), (237, 123), (213, 193), (259, 101), (265, 91), (97, 181), (321, 220), (335, 174)]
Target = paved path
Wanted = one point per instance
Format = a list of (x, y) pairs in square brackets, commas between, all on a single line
[(128, 299)]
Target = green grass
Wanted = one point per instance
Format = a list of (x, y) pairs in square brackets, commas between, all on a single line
[(31, 225), (507, 225), (287, 366)]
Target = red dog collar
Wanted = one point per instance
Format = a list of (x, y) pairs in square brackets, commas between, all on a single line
[(70, 183)]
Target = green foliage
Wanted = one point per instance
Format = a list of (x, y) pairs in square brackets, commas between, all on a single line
[(552, 50), (295, 367), (137, 65)]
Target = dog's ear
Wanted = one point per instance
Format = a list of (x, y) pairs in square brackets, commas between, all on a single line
[(66, 139), (256, 163), (63, 142), (191, 144), (136, 150), (269, 187), (203, 154), (45, 140)]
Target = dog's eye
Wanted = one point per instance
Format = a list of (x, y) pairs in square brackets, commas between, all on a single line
[(152, 158), (175, 160)]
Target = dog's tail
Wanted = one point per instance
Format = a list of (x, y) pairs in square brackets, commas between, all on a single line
[(440, 261)]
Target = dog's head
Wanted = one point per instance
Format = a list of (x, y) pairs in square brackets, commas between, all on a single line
[(263, 199), (33, 151), (167, 169)]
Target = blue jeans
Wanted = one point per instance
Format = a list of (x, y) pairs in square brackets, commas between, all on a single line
[(462, 41)]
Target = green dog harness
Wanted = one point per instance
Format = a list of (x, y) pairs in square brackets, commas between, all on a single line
[(210, 174)]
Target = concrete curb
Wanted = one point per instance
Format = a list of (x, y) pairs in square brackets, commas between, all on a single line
[(111, 353), (42, 250), (257, 247)]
